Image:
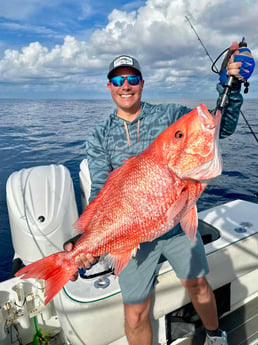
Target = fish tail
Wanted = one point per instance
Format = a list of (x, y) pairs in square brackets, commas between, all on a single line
[(55, 269)]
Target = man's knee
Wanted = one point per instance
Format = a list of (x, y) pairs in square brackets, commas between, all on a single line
[(136, 314), (196, 286)]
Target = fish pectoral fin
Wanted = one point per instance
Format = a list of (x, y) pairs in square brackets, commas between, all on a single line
[(119, 260), (189, 223), (178, 205)]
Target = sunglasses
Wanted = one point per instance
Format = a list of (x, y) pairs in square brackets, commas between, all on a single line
[(132, 80)]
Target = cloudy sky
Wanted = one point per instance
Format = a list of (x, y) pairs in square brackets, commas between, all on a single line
[(61, 48)]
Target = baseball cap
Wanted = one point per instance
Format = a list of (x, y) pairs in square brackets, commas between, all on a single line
[(124, 61)]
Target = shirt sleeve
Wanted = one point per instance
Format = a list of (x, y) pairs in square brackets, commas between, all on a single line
[(232, 110), (98, 161)]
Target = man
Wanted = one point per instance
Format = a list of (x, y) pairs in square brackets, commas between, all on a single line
[(127, 132)]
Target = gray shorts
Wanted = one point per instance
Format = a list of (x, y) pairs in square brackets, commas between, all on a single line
[(187, 259)]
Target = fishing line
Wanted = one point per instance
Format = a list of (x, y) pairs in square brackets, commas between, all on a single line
[(215, 69), (206, 51)]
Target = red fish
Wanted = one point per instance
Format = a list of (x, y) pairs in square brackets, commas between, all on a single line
[(143, 199)]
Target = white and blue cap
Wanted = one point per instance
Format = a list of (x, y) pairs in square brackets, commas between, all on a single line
[(124, 61)]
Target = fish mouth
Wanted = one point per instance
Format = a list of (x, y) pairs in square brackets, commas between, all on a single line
[(213, 167), (208, 121)]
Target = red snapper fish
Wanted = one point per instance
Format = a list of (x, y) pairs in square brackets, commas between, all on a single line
[(143, 199)]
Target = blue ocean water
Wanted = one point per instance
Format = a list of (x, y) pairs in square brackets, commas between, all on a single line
[(40, 132)]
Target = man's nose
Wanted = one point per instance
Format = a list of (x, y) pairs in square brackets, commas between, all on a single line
[(126, 85)]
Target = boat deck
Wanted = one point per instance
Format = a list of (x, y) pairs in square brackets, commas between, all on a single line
[(241, 326)]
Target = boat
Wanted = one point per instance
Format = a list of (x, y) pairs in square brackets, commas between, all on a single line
[(42, 209)]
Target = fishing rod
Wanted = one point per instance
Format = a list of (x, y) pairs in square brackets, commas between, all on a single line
[(230, 79)]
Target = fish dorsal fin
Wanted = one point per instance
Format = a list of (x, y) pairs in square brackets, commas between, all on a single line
[(178, 205), (189, 223), (119, 260)]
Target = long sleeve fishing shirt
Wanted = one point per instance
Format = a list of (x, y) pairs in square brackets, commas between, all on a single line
[(116, 139)]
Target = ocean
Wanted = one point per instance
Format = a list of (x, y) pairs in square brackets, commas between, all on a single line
[(43, 132)]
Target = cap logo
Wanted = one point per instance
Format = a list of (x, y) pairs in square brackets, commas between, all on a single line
[(123, 60)]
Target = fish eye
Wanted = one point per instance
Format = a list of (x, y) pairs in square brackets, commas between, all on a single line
[(179, 134)]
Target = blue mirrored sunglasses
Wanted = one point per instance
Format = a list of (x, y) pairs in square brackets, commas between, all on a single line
[(132, 80)]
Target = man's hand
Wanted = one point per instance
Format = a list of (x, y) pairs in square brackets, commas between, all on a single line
[(240, 65), (82, 260)]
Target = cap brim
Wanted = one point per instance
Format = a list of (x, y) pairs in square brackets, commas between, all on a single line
[(109, 76)]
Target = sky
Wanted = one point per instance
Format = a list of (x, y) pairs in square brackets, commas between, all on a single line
[(62, 48)]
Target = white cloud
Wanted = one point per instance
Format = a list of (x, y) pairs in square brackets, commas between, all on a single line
[(37, 61), (157, 34), (157, 31)]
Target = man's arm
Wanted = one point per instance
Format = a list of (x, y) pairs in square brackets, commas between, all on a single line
[(231, 114), (240, 65)]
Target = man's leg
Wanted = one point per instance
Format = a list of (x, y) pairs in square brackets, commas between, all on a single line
[(190, 264), (137, 323), (203, 301), (137, 281)]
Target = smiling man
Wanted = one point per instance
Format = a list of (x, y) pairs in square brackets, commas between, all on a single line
[(132, 127), (126, 86)]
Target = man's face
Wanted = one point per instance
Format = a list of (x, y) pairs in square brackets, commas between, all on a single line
[(127, 97)]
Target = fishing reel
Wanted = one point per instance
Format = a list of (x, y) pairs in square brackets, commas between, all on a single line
[(225, 62)]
